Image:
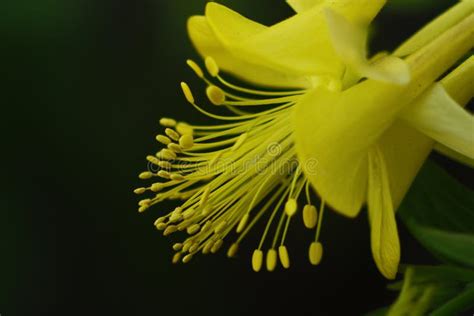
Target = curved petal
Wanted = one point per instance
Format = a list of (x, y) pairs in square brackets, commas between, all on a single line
[(207, 44), (299, 45), (436, 27), (383, 227), (349, 41), (438, 116)]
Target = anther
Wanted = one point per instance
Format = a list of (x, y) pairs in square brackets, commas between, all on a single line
[(290, 207), (187, 258), (207, 247), (206, 226), (284, 257), (167, 154), (143, 208), (211, 66), (232, 250), (172, 134), (161, 226), (189, 213), (174, 147), (145, 175), (217, 245), (178, 246), (186, 141), (156, 187), (187, 92), (197, 70), (176, 177), (184, 129), (176, 217), (139, 190), (315, 253), (165, 164), (159, 220), (215, 95), (153, 160), (194, 248), (163, 139), (169, 230), (242, 223), (271, 259), (257, 260), (193, 229), (187, 245), (176, 257), (310, 216), (220, 227), (239, 141), (144, 202), (167, 122)]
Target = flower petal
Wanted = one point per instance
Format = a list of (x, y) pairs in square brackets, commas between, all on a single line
[(436, 27), (384, 235), (437, 115), (349, 41), (207, 44), (302, 5), (301, 44)]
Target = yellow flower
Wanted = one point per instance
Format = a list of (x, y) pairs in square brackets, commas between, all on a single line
[(318, 126)]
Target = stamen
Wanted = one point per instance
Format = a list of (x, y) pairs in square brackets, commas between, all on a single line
[(233, 250), (291, 207), (271, 259), (215, 95), (257, 260), (186, 141), (139, 190), (167, 122), (145, 175), (310, 216), (172, 134), (284, 257), (197, 70), (187, 92), (211, 66), (163, 139), (315, 253)]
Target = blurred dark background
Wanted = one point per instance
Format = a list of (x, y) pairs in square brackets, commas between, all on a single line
[(84, 85)]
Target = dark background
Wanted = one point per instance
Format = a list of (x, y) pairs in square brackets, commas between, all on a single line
[(85, 83)]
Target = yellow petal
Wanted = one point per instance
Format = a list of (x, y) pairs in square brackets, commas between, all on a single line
[(438, 116), (302, 5), (207, 44), (301, 45), (349, 41), (436, 27), (383, 228)]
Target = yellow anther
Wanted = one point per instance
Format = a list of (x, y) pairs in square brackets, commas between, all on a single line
[(310, 216), (315, 253), (220, 227), (176, 177), (163, 174), (187, 92), (187, 245), (215, 95), (163, 139), (205, 196), (186, 141), (153, 160), (139, 190), (156, 187), (290, 207), (172, 134), (169, 230), (178, 246), (161, 226), (174, 147), (144, 202), (189, 213), (174, 218), (143, 208), (207, 210), (182, 226), (239, 141), (159, 220), (217, 245), (193, 229), (167, 154), (243, 221), (194, 247), (207, 247), (145, 175), (165, 164), (284, 257), (211, 66), (257, 260), (271, 259), (187, 258), (184, 129), (206, 227), (176, 257), (197, 70), (167, 122), (178, 210), (232, 250)]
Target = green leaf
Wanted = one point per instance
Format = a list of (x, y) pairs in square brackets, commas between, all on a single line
[(448, 246), (439, 201)]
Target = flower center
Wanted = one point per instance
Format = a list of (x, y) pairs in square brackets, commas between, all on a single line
[(232, 174)]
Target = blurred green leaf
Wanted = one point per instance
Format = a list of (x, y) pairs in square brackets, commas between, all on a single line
[(449, 246)]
